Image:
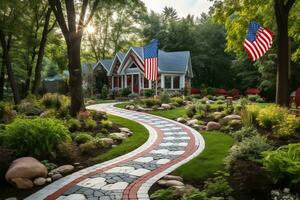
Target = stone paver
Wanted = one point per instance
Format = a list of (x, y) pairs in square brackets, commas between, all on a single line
[(130, 176)]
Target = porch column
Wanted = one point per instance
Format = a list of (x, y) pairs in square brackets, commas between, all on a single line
[(122, 81), (112, 82), (125, 80), (140, 83), (162, 81), (131, 83)]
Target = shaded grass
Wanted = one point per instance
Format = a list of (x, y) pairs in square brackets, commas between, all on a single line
[(139, 137), (217, 145)]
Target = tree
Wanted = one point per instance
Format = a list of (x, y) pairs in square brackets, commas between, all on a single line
[(236, 14), (73, 36)]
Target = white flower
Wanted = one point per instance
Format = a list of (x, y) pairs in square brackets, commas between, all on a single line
[(286, 190)]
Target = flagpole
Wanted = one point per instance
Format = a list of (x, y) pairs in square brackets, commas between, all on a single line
[(156, 88)]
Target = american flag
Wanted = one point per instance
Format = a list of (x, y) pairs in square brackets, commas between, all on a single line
[(258, 41), (151, 60)]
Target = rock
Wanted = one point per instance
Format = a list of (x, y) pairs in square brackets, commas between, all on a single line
[(48, 180), (25, 168), (196, 126), (202, 127), (160, 108), (170, 183), (192, 122), (171, 177), (213, 126), (45, 113), (232, 117), (217, 115), (39, 181), (118, 136), (181, 120), (76, 164), (126, 130), (210, 102), (64, 169), (148, 109), (11, 198), (22, 183), (75, 197), (166, 106), (140, 108), (56, 177), (107, 142), (131, 107)]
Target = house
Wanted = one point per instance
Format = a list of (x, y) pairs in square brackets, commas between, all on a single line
[(126, 70)]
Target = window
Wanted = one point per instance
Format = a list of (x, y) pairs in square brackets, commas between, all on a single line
[(168, 82), (176, 82), (146, 83)]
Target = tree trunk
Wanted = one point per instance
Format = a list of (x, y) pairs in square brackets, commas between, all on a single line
[(2, 80), (10, 72), (39, 62), (282, 89), (75, 81)]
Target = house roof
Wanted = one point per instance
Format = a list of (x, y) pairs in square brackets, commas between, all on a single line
[(168, 62), (105, 63)]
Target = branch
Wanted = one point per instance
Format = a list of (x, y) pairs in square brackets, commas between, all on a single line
[(289, 4), (71, 15), (96, 2), (52, 27), (82, 15), (57, 10)]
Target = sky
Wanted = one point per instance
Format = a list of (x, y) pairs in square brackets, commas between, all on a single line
[(183, 7)]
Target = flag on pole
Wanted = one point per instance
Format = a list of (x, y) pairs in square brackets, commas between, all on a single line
[(258, 40), (151, 60)]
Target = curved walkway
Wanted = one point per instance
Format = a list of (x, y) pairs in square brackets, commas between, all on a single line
[(170, 144)]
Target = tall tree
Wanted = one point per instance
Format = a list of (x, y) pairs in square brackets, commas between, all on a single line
[(73, 35)]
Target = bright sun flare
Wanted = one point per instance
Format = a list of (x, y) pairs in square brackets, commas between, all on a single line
[(90, 29)]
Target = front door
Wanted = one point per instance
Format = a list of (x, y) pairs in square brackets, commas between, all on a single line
[(136, 87)]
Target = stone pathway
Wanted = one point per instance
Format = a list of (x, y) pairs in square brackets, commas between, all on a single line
[(170, 144)]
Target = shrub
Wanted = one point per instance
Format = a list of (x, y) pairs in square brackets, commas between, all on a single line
[(191, 111), (73, 124), (151, 102), (218, 187), (248, 149), (37, 137), (149, 93), (52, 100), (220, 98), (253, 98), (199, 115), (164, 97), (98, 115), (83, 115), (253, 110), (82, 137), (6, 112), (178, 101), (30, 106), (245, 132), (287, 127), (91, 146), (260, 100), (90, 124), (104, 92), (271, 116), (106, 124), (188, 193), (284, 195), (283, 163), (219, 102), (125, 92), (133, 95), (50, 166)]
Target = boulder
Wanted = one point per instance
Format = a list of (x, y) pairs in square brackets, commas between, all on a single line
[(118, 136), (11, 198), (213, 126), (48, 180), (129, 107), (76, 197), (170, 183), (64, 169), (210, 102), (140, 108), (39, 181), (126, 130), (22, 183), (192, 122), (166, 106), (56, 177), (181, 120), (25, 168), (171, 177), (232, 117)]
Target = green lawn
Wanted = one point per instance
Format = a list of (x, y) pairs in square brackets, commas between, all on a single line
[(122, 105), (210, 160), (139, 137), (170, 114)]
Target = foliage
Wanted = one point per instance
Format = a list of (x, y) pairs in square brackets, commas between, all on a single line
[(90, 124), (288, 126), (82, 137), (104, 92), (125, 92), (245, 132), (151, 102), (284, 194), (218, 186), (6, 112), (284, 163), (37, 137), (253, 98), (271, 116), (106, 124), (188, 193), (50, 166), (149, 93), (98, 115), (178, 101), (73, 124), (30, 106), (164, 97), (191, 110), (248, 149), (253, 111), (92, 145)]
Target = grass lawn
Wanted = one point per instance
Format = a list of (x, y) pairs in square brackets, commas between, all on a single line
[(210, 160), (122, 105), (139, 137), (170, 114)]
